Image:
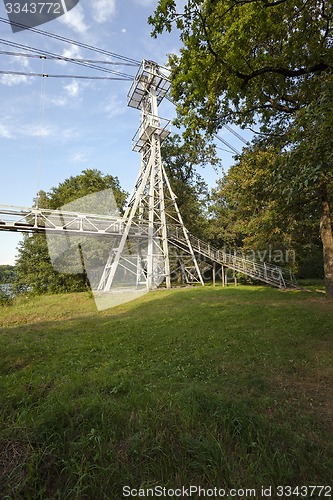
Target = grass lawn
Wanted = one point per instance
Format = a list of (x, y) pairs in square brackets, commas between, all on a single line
[(227, 388)]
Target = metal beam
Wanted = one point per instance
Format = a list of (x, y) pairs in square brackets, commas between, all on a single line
[(23, 219)]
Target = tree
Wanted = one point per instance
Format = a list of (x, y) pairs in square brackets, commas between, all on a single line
[(7, 276), (244, 213), (34, 270), (241, 58), (181, 159), (35, 273), (249, 211), (305, 168), (88, 182), (7, 273), (245, 61)]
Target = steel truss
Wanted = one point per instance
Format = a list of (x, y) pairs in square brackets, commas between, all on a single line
[(182, 267), (150, 244), (40, 220), (152, 206)]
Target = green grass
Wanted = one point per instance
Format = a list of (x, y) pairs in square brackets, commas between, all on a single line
[(212, 387)]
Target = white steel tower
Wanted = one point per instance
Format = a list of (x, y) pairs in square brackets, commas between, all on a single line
[(153, 224)]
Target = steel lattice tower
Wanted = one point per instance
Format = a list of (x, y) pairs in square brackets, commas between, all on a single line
[(152, 219)]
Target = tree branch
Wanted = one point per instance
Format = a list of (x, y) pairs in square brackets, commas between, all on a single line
[(273, 4), (320, 67)]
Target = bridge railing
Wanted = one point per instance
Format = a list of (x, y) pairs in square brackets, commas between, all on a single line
[(41, 220), (58, 221), (271, 274)]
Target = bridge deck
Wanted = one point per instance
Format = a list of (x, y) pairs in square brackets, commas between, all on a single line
[(267, 273), (57, 221)]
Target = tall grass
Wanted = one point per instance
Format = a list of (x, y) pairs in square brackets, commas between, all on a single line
[(212, 387)]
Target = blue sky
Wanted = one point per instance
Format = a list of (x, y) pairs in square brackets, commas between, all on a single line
[(86, 123)]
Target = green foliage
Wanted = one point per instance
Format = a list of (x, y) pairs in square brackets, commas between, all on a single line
[(244, 59), (7, 274), (5, 299), (306, 164), (223, 387), (250, 210), (34, 271), (269, 62), (181, 160), (88, 182)]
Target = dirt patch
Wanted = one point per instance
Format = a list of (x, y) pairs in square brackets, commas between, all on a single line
[(314, 394), (12, 459)]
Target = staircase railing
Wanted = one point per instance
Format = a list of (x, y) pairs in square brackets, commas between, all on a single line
[(268, 273)]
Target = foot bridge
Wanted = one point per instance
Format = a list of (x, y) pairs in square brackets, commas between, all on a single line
[(149, 244), (261, 271), (30, 220)]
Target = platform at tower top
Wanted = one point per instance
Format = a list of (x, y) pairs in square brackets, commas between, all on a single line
[(148, 73)]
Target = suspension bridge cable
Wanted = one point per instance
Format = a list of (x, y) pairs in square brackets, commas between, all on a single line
[(220, 138), (70, 41), (64, 58), (227, 144), (222, 149), (236, 134), (47, 75), (41, 126), (47, 53)]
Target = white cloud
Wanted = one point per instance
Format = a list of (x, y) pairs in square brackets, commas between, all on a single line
[(68, 134), (54, 133), (74, 19), (18, 64), (73, 52), (72, 88), (124, 30), (37, 131), (78, 157), (56, 101), (23, 61), (147, 3), (4, 132), (11, 80), (103, 10), (114, 106), (70, 91)]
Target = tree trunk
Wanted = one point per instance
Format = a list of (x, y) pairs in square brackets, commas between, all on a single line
[(327, 240)]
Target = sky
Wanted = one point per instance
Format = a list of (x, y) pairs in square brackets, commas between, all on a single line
[(53, 128)]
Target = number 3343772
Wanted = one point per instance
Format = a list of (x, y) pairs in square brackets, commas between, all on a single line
[(34, 8)]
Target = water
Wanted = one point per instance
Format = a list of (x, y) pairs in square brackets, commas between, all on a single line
[(6, 288)]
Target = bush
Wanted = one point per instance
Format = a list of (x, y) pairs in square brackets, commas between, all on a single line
[(5, 300)]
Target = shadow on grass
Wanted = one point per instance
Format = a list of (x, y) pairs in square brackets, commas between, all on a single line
[(204, 387)]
